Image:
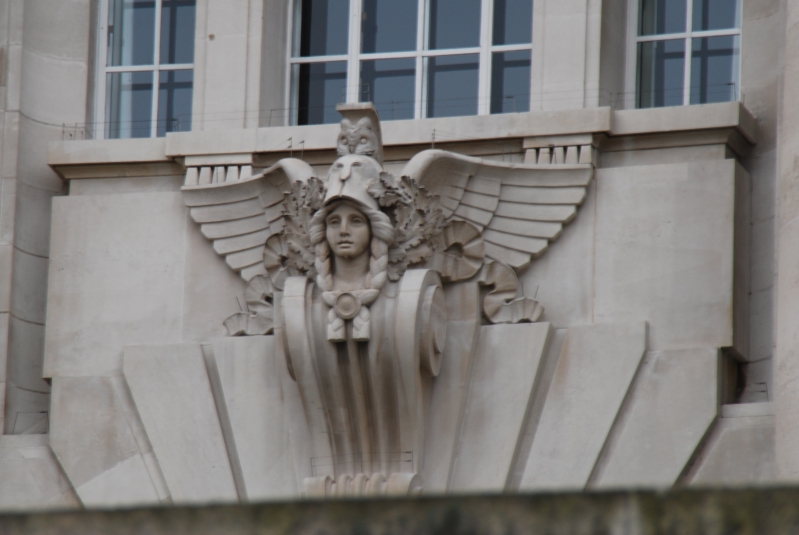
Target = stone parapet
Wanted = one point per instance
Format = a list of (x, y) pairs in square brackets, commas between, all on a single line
[(684, 512)]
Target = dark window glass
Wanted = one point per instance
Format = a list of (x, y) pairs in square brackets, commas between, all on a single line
[(129, 100), (388, 25), (324, 27), (177, 31), (131, 32), (452, 85), (174, 101), (390, 85), (662, 16), (454, 23), (513, 22), (321, 86), (714, 69), (660, 73), (716, 14), (510, 82)]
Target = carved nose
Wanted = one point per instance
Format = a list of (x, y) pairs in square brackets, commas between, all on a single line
[(345, 172)]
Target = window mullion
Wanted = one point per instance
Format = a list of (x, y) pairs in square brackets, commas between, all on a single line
[(421, 75), (156, 64), (689, 15), (102, 60), (353, 87), (484, 68)]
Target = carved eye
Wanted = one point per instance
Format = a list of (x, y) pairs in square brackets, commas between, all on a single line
[(363, 141), (342, 139), (333, 221), (339, 165), (357, 164)]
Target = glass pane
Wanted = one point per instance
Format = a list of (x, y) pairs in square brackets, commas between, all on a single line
[(716, 14), (177, 31), (128, 104), (174, 101), (662, 16), (131, 32), (454, 23), (388, 25), (452, 85), (714, 69), (660, 73), (390, 84), (510, 82), (323, 28), (320, 86), (513, 22)]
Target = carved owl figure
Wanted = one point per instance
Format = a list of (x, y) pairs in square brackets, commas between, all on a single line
[(358, 138)]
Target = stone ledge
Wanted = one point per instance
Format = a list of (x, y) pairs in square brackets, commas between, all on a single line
[(728, 122), (685, 512)]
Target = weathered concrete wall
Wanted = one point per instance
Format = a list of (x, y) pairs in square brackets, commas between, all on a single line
[(741, 512)]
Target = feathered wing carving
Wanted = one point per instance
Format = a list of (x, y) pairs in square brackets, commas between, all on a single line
[(240, 216), (518, 208)]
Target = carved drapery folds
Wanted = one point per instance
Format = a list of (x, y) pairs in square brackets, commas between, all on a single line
[(351, 273)]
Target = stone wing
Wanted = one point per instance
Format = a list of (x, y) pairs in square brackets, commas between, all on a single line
[(238, 215), (518, 208)]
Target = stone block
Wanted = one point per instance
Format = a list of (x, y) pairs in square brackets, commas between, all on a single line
[(4, 319), (507, 361), (594, 372), (25, 349), (6, 256), (29, 287), (38, 482), (170, 387), (32, 168), (32, 217), (249, 395), (665, 251), (740, 449), (116, 278), (449, 389), (97, 439), (26, 411), (8, 199), (670, 407)]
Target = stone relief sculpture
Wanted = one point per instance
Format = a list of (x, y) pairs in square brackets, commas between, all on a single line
[(353, 273)]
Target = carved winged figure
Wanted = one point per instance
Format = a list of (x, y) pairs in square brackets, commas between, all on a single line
[(352, 272)]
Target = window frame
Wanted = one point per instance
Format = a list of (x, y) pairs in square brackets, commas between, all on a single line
[(103, 69), (632, 60), (484, 51)]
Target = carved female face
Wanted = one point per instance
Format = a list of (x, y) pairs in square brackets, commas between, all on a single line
[(348, 231)]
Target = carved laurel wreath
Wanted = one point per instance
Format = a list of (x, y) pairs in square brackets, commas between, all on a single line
[(413, 211), (422, 236)]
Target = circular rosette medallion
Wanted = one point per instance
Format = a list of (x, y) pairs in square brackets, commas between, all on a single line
[(276, 260), (347, 306), (460, 252)]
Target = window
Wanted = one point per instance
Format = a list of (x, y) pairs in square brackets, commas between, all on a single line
[(146, 81), (412, 58), (688, 52)]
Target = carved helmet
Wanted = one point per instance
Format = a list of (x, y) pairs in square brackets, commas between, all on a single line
[(349, 178)]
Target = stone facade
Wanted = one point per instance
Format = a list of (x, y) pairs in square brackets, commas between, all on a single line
[(664, 291)]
